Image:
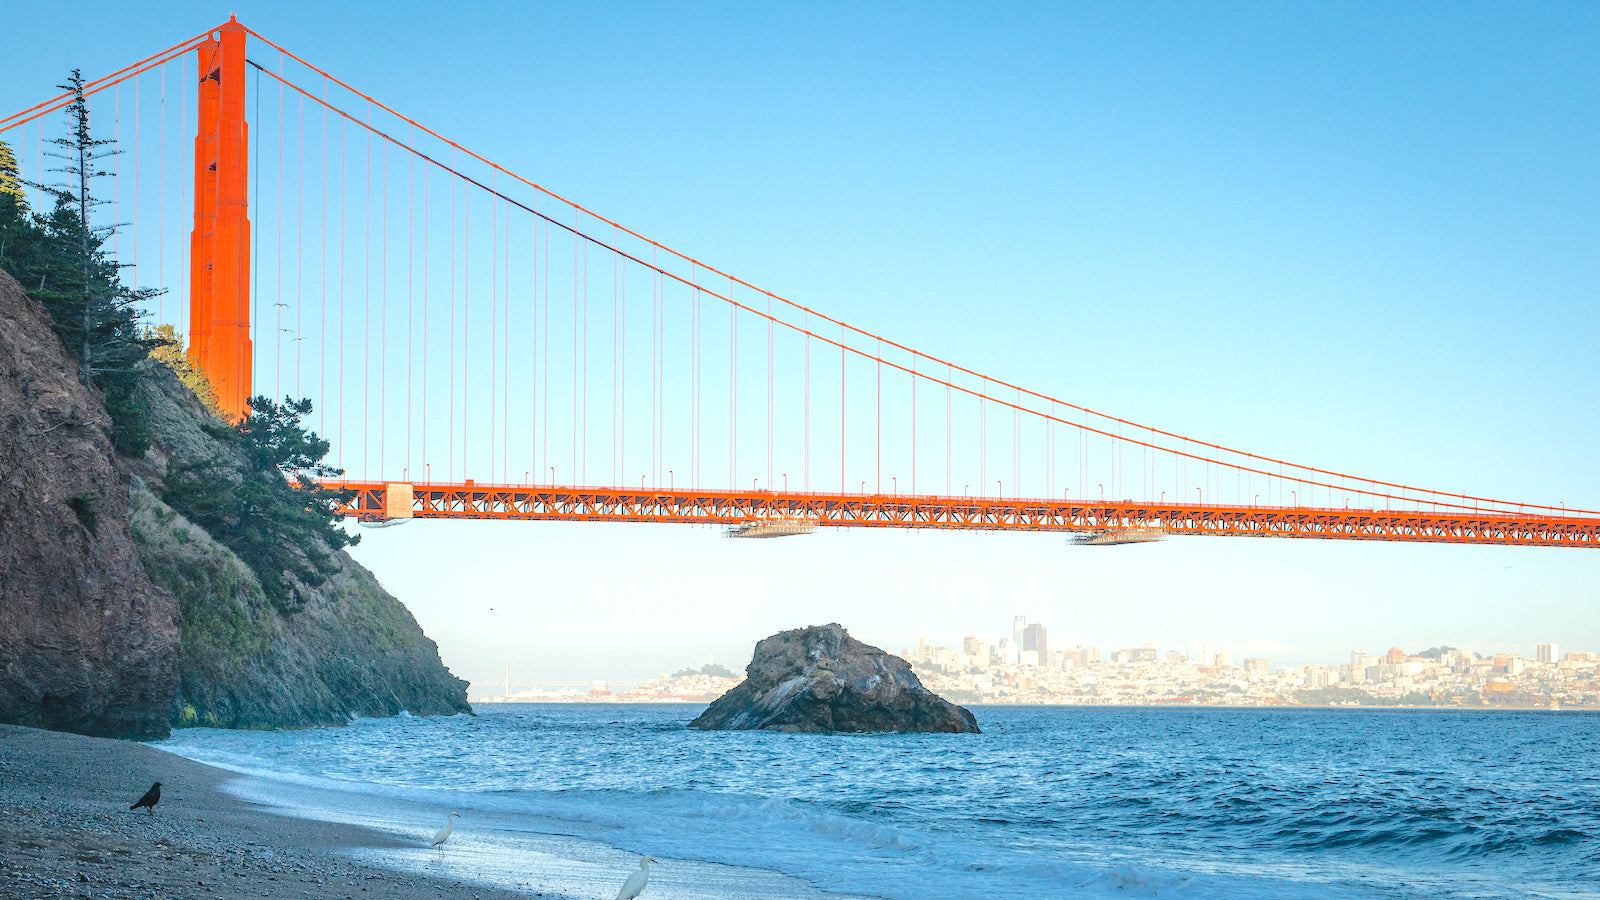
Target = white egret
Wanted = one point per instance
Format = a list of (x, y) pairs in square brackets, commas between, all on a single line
[(444, 833), (634, 886)]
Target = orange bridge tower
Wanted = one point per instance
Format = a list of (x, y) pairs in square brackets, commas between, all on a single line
[(219, 272)]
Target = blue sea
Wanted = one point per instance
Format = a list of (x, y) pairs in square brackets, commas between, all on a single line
[(1048, 802)]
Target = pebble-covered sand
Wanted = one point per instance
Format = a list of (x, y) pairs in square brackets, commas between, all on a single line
[(66, 831)]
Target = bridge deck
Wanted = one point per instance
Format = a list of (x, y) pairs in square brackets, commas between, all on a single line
[(586, 504)]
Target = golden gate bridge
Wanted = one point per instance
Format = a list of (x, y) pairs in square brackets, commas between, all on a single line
[(479, 347)]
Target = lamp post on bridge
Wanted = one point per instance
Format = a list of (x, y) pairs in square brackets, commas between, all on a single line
[(672, 481), (552, 476), (786, 482), (999, 490)]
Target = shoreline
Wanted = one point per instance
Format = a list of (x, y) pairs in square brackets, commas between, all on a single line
[(222, 834), (66, 830)]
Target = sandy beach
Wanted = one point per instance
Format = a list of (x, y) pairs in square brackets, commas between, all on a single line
[(66, 831)]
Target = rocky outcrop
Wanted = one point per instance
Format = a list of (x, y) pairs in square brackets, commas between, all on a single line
[(87, 643), (351, 649), (820, 679)]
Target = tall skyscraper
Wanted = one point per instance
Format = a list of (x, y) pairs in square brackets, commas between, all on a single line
[(1019, 623), (1547, 653), (1033, 638)]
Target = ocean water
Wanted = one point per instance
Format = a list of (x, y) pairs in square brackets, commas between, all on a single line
[(1049, 802)]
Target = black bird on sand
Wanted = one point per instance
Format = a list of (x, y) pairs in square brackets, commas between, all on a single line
[(150, 798)]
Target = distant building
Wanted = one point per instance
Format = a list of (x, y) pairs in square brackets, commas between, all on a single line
[(970, 644), (1256, 664), (1395, 657), (1141, 654), (1360, 659), (1033, 639), (1223, 660), (1019, 624), (1546, 653), (1177, 656)]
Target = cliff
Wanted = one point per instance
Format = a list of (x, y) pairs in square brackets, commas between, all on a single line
[(351, 648), (120, 618), (87, 642), (820, 679)]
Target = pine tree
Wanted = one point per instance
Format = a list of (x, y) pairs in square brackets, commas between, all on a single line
[(95, 314), (263, 498), (11, 179), (20, 236)]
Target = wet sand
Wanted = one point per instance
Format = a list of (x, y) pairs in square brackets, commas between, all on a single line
[(66, 831)]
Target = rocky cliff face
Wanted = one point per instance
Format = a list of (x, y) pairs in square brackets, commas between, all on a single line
[(820, 679), (351, 649), (87, 643)]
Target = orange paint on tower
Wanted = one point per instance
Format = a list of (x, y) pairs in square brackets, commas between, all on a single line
[(219, 274)]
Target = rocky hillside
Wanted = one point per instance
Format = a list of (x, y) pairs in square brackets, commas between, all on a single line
[(351, 648), (119, 617), (820, 679), (87, 643)]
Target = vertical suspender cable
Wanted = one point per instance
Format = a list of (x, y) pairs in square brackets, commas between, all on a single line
[(622, 369), (322, 303), (383, 321), (136, 182), (277, 337), (466, 316), (425, 229), (494, 320), (505, 349), (366, 302), (344, 195), (161, 188), (450, 432), (574, 349), (411, 137), (545, 442)]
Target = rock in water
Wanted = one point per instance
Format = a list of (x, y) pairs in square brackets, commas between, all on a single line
[(820, 679)]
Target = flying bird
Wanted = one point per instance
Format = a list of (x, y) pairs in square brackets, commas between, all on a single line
[(150, 798), (444, 833), (634, 886)]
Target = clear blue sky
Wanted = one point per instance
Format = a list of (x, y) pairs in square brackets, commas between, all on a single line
[(1363, 236)]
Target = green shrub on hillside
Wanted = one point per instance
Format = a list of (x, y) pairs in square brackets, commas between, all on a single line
[(262, 498)]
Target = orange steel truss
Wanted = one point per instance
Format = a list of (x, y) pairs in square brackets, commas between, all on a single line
[(575, 504), (219, 269)]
